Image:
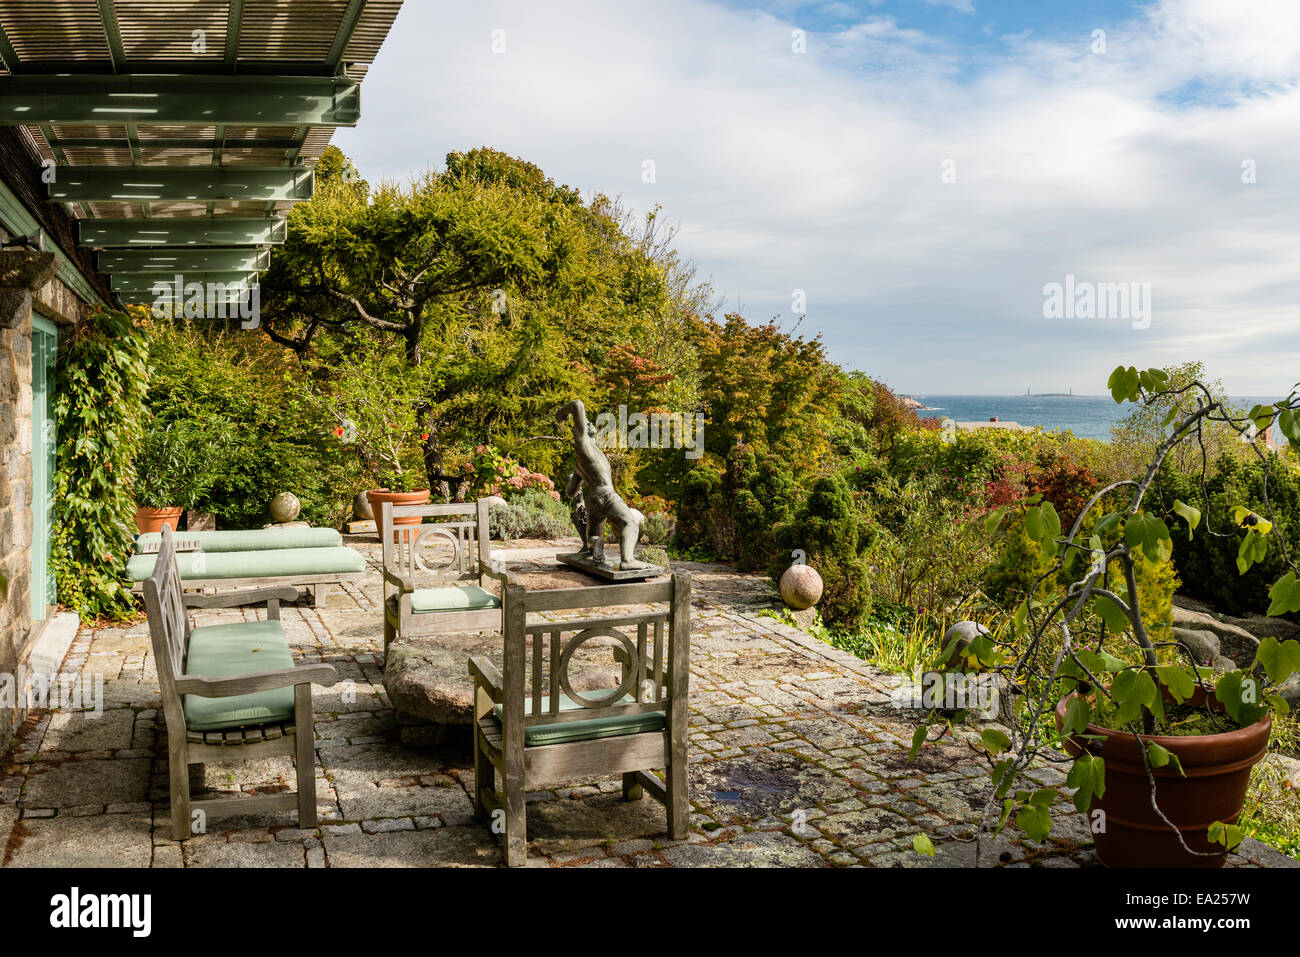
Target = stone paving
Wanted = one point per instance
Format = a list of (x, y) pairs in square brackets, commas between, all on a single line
[(798, 758)]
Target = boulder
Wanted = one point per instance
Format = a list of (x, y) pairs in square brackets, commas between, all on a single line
[(1290, 691), (801, 587), (1203, 644), (1234, 641), (1260, 626), (1223, 665)]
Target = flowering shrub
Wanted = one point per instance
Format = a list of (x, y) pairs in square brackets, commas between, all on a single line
[(491, 473)]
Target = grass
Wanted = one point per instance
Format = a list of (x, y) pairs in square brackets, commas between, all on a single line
[(1272, 811)]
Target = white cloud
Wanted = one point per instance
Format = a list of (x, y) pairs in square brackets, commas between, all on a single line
[(822, 171)]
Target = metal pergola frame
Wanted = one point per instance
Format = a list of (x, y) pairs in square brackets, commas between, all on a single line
[(180, 133)]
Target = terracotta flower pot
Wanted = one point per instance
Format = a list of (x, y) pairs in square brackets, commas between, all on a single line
[(153, 519), (1218, 770), (378, 496)]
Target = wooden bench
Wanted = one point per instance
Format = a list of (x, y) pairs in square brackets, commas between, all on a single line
[(229, 691), (532, 728), (312, 558)]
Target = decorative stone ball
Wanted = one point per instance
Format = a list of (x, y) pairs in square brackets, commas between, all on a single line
[(285, 507), (964, 632), (361, 507), (495, 500), (801, 587)]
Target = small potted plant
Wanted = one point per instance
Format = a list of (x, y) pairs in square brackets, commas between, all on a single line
[(172, 472), (1160, 747)]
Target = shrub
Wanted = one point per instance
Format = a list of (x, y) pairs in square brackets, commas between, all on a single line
[(657, 529), (829, 528), (655, 556), (99, 408), (530, 514)]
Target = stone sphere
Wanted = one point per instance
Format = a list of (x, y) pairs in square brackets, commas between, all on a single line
[(285, 507), (801, 587), (964, 632)]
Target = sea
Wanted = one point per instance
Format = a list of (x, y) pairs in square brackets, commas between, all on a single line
[(1087, 416)]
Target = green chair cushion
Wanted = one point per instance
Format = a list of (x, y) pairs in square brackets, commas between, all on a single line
[(452, 598), (254, 539), (220, 651), (609, 726), (273, 563)]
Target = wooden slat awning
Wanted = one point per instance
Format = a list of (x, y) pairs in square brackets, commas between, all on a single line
[(108, 89)]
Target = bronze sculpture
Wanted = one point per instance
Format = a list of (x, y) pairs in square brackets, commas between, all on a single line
[(601, 502)]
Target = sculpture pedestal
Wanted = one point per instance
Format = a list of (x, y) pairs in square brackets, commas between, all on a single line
[(610, 571)]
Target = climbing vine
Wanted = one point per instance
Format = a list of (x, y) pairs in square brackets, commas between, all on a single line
[(102, 377)]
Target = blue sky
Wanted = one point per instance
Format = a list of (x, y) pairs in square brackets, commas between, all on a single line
[(918, 174)]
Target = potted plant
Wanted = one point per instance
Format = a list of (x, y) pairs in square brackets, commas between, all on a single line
[(173, 471), (1160, 747), (376, 412)]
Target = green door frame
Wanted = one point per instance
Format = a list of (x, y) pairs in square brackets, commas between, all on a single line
[(45, 344)]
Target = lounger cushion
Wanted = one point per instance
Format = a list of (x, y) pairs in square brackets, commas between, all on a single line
[(452, 598), (220, 651), (273, 563), (253, 539), (610, 726)]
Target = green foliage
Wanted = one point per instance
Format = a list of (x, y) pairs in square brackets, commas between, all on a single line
[(829, 528), (268, 435), (176, 462), (99, 409)]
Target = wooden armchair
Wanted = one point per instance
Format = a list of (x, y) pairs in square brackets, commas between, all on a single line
[(229, 691), (459, 599), (533, 728)]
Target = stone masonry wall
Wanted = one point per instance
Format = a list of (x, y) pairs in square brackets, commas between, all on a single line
[(15, 485)]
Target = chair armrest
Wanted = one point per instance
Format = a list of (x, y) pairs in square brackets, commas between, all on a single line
[(256, 681), (401, 581), (502, 575), (241, 596), (488, 677)]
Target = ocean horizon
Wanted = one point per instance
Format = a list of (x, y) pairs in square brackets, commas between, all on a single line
[(1087, 416)]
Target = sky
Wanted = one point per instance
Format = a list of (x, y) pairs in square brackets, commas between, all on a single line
[(959, 196)]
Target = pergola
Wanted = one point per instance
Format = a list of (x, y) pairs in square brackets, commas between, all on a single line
[(179, 132)]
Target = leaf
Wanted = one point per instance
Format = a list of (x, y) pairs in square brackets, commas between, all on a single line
[(995, 742), (1160, 757), (1229, 835), (1191, 515), (1088, 776), (922, 845), (1279, 659), (1150, 535), (918, 738), (1125, 384), (1284, 595), (1107, 523), (1253, 548), (1042, 524), (1035, 820), (1239, 694), (1178, 680), (1111, 614), (1261, 416), (1288, 421), (1077, 714)]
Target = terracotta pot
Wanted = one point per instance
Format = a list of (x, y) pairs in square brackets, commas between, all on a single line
[(1218, 770), (377, 496), (153, 519)]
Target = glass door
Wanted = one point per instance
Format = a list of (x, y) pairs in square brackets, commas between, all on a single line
[(45, 343)]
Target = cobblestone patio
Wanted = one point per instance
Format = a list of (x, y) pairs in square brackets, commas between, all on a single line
[(797, 758)]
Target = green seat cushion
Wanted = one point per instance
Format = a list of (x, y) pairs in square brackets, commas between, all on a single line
[(273, 563), (609, 726), (254, 539), (220, 651), (452, 598)]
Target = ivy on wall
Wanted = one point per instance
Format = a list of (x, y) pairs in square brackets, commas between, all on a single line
[(103, 375)]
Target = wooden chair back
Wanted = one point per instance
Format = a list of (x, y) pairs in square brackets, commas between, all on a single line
[(461, 531), (169, 622), (653, 648)]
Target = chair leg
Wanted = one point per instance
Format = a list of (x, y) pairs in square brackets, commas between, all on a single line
[(179, 771), (484, 777), (321, 592), (305, 754), (632, 790), (678, 803), (516, 828), (390, 633)]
